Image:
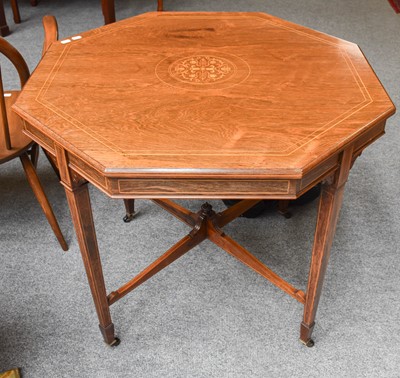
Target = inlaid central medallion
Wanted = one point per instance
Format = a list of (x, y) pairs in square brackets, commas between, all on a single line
[(203, 70)]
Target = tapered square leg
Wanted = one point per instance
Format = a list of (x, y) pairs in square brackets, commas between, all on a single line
[(305, 334), (77, 193), (108, 334), (328, 213), (129, 209), (79, 204)]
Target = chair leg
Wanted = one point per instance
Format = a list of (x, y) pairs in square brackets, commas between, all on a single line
[(160, 6), (37, 188), (15, 9), (4, 29), (34, 3), (108, 9)]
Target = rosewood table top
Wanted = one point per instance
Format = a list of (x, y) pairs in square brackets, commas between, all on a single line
[(205, 105), (206, 94)]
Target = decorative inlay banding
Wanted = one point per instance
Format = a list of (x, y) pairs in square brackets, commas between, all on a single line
[(204, 70)]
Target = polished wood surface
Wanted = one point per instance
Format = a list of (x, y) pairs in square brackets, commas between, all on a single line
[(315, 90), (204, 105), (14, 143), (15, 10), (50, 28), (328, 213), (108, 9)]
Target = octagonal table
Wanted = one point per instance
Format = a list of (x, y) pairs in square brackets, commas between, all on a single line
[(204, 105)]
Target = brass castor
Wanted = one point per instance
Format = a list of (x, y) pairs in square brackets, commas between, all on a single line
[(309, 343), (115, 342), (128, 217), (286, 214)]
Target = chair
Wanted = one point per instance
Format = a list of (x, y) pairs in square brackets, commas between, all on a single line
[(15, 9), (4, 29), (108, 9), (13, 143), (107, 6)]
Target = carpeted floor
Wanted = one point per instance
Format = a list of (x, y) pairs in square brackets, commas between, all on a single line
[(207, 315)]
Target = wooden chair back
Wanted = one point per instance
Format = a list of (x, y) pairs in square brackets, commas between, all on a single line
[(50, 32), (13, 55), (13, 142)]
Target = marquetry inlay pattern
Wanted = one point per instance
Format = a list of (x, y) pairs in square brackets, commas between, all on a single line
[(201, 69), (204, 105), (207, 70), (282, 92)]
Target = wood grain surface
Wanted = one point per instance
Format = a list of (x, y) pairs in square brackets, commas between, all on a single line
[(204, 94), (204, 105)]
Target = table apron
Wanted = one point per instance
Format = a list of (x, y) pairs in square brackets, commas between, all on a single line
[(208, 187)]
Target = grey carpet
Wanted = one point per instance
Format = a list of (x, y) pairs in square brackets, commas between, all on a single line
[(207, 315)]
